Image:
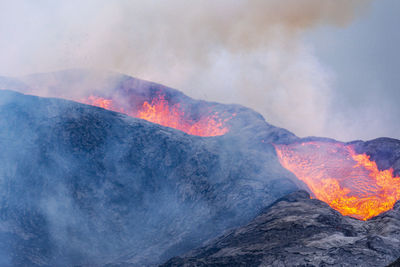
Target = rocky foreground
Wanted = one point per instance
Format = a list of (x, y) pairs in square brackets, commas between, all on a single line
[(299, 231)]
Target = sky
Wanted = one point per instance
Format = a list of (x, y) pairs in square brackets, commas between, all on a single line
[(317, 68), (365, 62)]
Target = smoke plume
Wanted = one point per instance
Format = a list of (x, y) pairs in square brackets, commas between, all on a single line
[(249, 52)]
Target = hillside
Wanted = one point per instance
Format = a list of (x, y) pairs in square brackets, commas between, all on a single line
[(83, 185)]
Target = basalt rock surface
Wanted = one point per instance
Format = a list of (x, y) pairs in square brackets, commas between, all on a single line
[(299, 231)]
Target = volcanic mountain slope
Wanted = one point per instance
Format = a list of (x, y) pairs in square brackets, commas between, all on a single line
[(299, 231), (128, 92), (81, 185)]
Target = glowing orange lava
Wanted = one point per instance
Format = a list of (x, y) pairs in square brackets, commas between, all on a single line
[(161, 112), (99, 102), (349, 182)]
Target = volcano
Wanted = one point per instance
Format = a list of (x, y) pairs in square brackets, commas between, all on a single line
[(122, 171)]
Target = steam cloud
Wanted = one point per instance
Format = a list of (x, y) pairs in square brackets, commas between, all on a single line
[(244, 51)]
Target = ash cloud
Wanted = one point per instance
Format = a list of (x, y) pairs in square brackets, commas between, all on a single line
[(247, 52)]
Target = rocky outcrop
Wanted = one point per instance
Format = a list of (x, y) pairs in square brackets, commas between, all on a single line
[(299, 231)]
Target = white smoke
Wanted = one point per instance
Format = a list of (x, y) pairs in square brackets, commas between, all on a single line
[(240, 51)]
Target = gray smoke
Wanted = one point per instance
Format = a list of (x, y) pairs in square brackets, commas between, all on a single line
[(244, 51)]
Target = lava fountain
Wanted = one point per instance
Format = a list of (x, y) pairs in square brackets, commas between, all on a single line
[(160, 111), (349, 182)]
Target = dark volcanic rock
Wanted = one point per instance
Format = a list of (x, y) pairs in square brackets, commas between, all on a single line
[(395, 264), (80, 185), (299, 231), (384, 151)]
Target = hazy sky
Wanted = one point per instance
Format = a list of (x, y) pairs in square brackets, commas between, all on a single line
[(365, 61), (316, 67)]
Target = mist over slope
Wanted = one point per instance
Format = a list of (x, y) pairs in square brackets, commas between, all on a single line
[(83, 185)]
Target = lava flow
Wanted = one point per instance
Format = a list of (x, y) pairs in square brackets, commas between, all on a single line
[(161, 112), (349, 182)]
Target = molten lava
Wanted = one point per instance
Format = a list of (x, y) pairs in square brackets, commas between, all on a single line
[(99, 102), (161, 112), (103, 103), (349, 182)]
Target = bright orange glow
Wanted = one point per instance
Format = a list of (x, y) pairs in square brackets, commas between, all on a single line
[(349, 182), (99, 102), (161, 112)]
